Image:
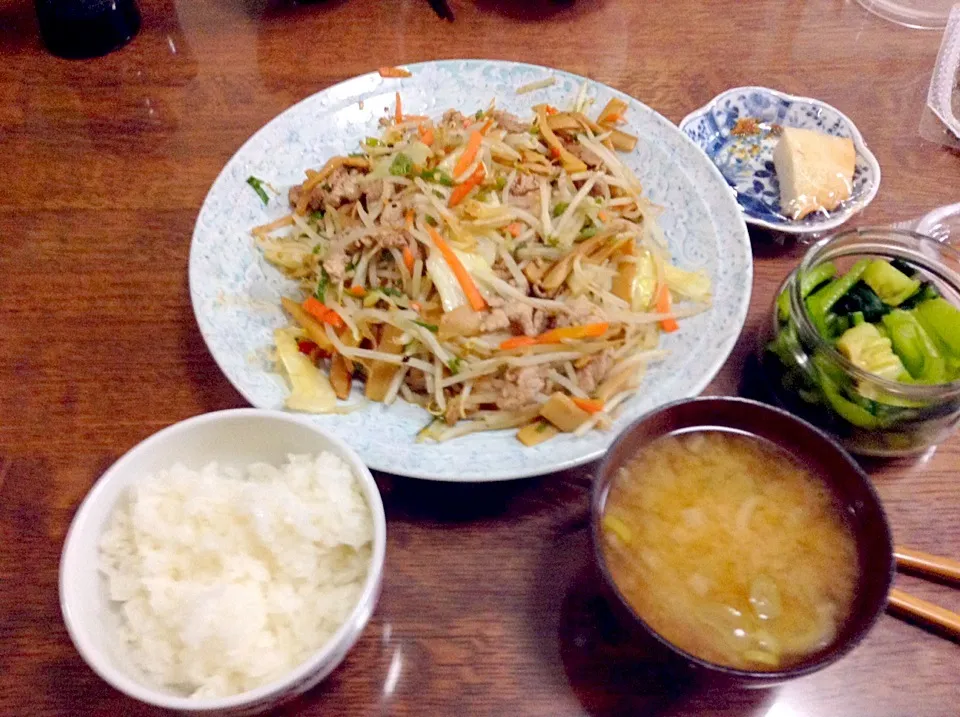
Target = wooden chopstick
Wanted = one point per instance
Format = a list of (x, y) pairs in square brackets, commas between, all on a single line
[(927, 564), (926, 612)]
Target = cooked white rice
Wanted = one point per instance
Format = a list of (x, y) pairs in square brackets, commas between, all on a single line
[(228, 580)]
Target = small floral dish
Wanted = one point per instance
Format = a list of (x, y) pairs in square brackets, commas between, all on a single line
[(738, 131)]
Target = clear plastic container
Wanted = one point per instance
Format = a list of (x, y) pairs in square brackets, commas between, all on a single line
[(919, 14), (868, 414)]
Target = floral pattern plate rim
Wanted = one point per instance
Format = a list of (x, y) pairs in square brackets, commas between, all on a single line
[(746, 161), (235, 292)]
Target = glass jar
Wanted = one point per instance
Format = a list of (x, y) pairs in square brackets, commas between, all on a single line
[(806, 374)]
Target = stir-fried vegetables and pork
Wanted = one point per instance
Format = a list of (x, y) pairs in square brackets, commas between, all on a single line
[(499, 272)]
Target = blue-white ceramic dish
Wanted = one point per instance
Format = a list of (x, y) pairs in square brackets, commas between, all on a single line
[(236, 293), (746, 161)]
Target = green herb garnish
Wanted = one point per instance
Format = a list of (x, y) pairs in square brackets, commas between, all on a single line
[(430, 220), (454, 365), (372, 142), (560, 208), (257, 185), (479, 114), (316, 216), (401, 166), (433, 328), (322, 284), (501, 183), (390, 291), (437, 176), (587, 233)]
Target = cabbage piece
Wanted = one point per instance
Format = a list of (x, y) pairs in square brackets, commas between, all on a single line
[(310, 388), (418, 153), (693, 285), (451, 294), (380, 168)]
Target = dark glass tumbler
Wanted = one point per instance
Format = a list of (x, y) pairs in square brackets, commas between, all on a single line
[(87, 28)]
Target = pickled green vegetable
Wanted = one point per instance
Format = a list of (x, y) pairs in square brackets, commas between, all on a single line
[(913, 345), (891, 285), (809, 281), (821, 301), (942, 319), (870, 351)]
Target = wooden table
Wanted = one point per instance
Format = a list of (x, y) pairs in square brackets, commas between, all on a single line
[(485, 608)]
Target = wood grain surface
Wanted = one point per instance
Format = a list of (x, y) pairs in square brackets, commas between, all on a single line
[(487, 608)]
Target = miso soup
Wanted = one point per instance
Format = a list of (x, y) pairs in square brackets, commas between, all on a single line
[(730, 549)]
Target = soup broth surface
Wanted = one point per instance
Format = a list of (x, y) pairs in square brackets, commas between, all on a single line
[(730, 549)]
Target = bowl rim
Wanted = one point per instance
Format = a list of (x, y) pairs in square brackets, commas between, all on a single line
[(796, 226), (343, 639), (600, 488)]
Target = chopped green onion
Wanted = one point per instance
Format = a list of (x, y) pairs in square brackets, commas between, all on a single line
[(479, 114), (316, 216), (430, 220), (437, 176), (257, 185), (401, 166), (587, 233), (372, 142), (432, 328), (390, 291), (322, 283), (560, 208), (501, 183), (454, 365)]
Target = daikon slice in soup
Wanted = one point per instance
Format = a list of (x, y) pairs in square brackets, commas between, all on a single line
[(730, 549)]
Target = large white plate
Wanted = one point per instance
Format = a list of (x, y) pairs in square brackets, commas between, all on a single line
[(236, 294)]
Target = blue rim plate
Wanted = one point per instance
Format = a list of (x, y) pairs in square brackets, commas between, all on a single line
[(236, 293), (746, 162)]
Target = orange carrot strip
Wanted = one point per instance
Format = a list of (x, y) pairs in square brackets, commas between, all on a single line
[(469, 154), (518, 342), (603, 216), (486, 126), (663, 307), (586, 331), (409, 218), (590, 405), (515, 228), (398, 114), (358, 290), (426, 134), (408, 257), (460, 192), (394, 72), (318, 310), (466, 281), (551, 110), (415, 305)]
